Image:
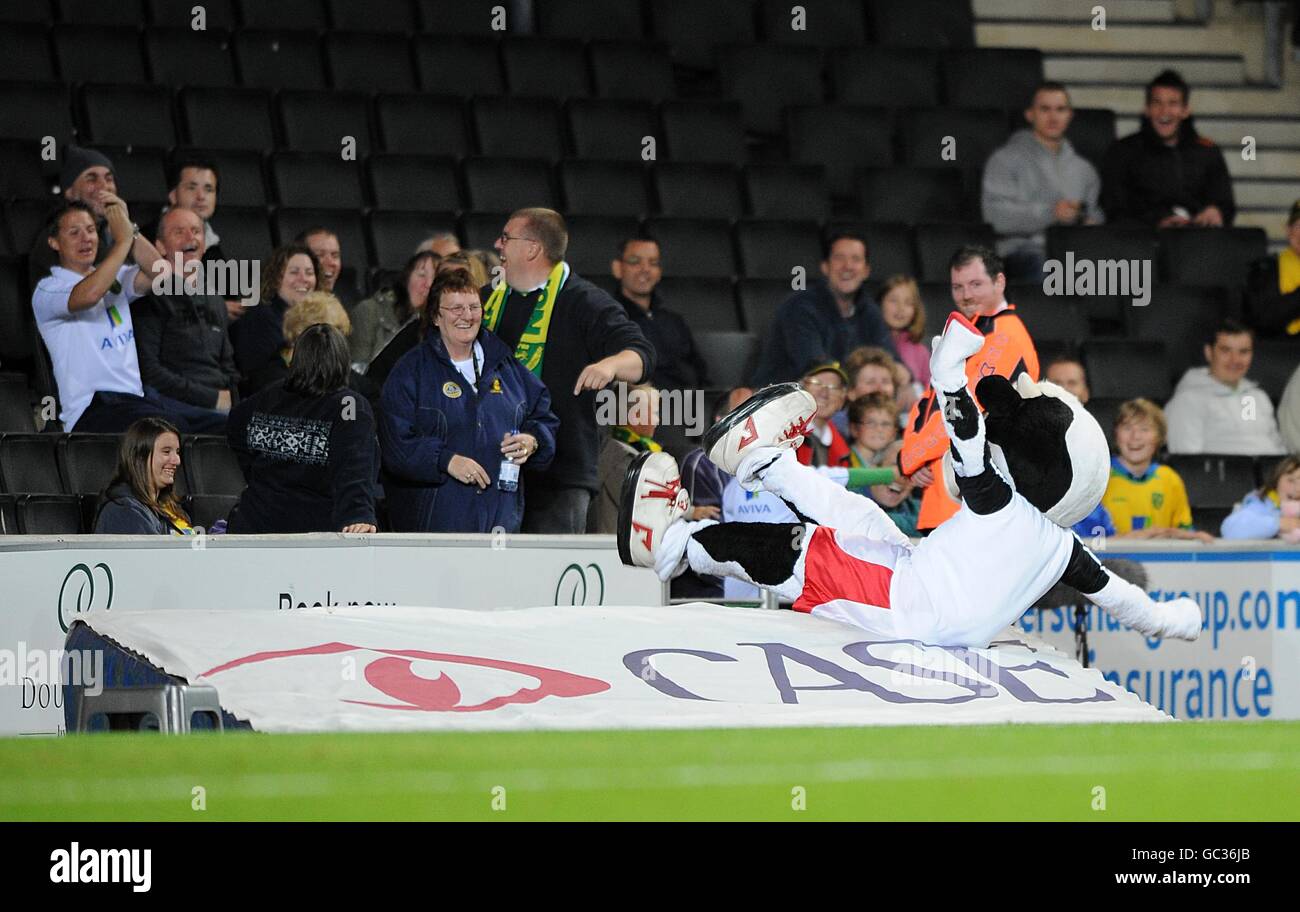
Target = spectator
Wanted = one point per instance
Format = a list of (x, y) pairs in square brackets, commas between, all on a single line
[(642, 419), (1067, 372), (290, 274), (1273, 511), (578, 340), (873, 422), (379, 317), (141, 498), (1037, 180), (900, 304), (979, 284), (1167, 175), (823, 445), (870, 370), (1216, 409), (182, 340), (638, 271), (194, 183), (1288, 413), (1275, 285), (1145, 498), (324, 243), (602, 513), (87, 176), (827, 320), (455, 411), (307, 446), (442, 243)]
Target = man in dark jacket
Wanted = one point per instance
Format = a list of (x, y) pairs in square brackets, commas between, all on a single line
[(678, 364), (827, 320), (578, 340), (1166, 175), (182, 339)]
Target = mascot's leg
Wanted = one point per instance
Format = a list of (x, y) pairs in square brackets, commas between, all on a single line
[(1179, 618)]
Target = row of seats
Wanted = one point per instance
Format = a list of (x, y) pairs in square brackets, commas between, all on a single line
[(71, 514)]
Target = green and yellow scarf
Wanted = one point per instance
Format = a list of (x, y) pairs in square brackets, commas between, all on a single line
[(635, 440), (531, 349)]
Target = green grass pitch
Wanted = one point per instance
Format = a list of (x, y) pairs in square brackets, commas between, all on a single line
[(1190, 771)]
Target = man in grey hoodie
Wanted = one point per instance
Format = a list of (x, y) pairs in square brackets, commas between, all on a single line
[(1037, 180)]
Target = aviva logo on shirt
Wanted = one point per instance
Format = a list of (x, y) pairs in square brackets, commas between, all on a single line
[(115, 321)]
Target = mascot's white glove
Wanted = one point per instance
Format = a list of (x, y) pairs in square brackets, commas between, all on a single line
[(1179, 618)]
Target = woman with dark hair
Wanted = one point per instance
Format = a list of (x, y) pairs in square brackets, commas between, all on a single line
[(378, 318), (141, 498), (459, 416), (288, 276), (307, 446)]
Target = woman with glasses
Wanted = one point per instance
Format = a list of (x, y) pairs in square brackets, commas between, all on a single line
[(459, 417)]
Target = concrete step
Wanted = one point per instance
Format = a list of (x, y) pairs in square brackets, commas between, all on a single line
[(1229, 130), (1226, 69), (1239, 34), (1207, 100), (1269, 164), (1266, 194), (1075, 10), (1273, 221)]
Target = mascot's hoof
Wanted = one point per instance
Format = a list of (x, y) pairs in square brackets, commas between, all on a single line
[(775, 416), (948, 356), (652, 500)]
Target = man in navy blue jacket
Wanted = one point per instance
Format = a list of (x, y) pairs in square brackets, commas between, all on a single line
[(827, 320)]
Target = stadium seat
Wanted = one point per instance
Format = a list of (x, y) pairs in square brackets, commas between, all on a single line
[(459, 66), (553, 68), (759, 299), (787, 191), (414, 182), (1101, 242), (501, 123), (991, 77), (318, 121), (695, 247), (730, 356), (464, 17), (305, 179), (910, 195), (186, 57), (26, 219), (88, 461), (766, 79), (245, 232), (1211, 256), (227, 118), (26, 53), (33, 11), (825, 23), (1125, 368), (99, 53), (935, 245), (89, 12), (211, 467), (692, 29), (1182, 317), (507, 184), (773, 250), (940, 24), (15, 405), (1057, 318), (1103, 409), (1214, 481), (604, 188), (707, 304), (613, 130), (302, 15), (395, 235), (242, 179), (122, 115), (9, 515), (369, 62), (631, 70), (35, 110), (480, 230), (404, 125), (279, 60), (218, 14), (24, 175), (206, 509), (42, 377), (704, 131), (704, 190), (1091, 132), (395, 17), (885, 77), (594, 241), (29, 465), (1264, 467), (975, 133), (345, 223), (50, 514), (15, 311), (141, 173), (577, 19), (842, 139), (1272, 364)]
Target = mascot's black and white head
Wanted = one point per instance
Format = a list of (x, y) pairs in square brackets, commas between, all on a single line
[(1042, 439)]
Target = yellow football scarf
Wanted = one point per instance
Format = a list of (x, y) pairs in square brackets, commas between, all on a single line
[(1288, 280), (532, 344), (635, 440)]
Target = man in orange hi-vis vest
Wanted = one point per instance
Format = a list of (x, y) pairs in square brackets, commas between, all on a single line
[(978, 291)]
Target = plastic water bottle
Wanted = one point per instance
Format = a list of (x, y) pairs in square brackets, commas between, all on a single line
[(508, 477)]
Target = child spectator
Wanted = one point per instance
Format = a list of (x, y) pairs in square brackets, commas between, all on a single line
[(873, 423), (900, 302), (1273, 511)]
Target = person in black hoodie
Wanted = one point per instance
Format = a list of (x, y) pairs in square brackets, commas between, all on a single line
[(1166, 175), (307, 446), (141, 498)]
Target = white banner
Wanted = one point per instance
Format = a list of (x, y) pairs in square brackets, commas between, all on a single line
[(350, 669)]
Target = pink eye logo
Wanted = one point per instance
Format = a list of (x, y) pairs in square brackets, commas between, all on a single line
[(392, 675)]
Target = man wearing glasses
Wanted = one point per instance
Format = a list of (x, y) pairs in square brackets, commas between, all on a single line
[(824, 445)]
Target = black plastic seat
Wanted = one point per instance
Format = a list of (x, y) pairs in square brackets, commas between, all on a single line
[(767, 79), (34, 110), (1211, 256), (217, 14), (369, 62), (88, 461), (395, 235), (704, 131), (1214, 481), (459, 66), (842, 139), (910, 195), (479, 230), (241, 181), (975, 135), (545, 68), (393, 17), (318, 121), (206, 509), (33, 11), (773, 250), (595, 241), (611, 130), (759, 300), (709, 305), (1272, 364), (186, 57), (122, 115), (825, 23), (50, 514), (99, 53), (289, 15), (140, 171), (26, 219), (1182, 317), (345, 223), (15, 405), (1055, 317), (15, 312), (1101, 242), (1126, 368), (24, 175), (990, 77), (511, 127), (698, 190), (935, 245), (695, 247), (889, 247), (787, 191), (464, 17), (508, 184), (631, 70), (414, 182), (885, 77), (692, 29), (307, 179), (730, 356), (279, 59), (211, 467), (577, 19), (29, 464), (939, 24), (245, 232), (227, 118), (404, 123), (604, 188), (26, 52), (1091, 132)]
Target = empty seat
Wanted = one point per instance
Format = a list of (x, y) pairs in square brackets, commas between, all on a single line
[(910, 195), (89, 461), (1182, 317), (26, 53), (1214, 481), (26, 218), (1125, 368), (1048, 316), (211, 467), (15, 311), (1211, 256), (241, 180), (481, 229), (692, 30), (391, 16), (885, 77), (15, 405), (35, 110), (245, 232), (775, 250), (707, 304), (367, 62), (767, 79), (614, 130), (704, 131), (141, 173), (695, 247), (345, 223), (406, 124), (935, 245), (825, 23), (508, 184), (303, 15), (186, 57), (217, 14), (206, 509), (545, 68), (515, 127), (1091, 132), (922, 23), (889, 247), (759, 300), (459, 66), (595, 241), (50, 514), (24, 175), (604, 188), (322, 121), (279, 60), (414, 182), (730, 356), (1272, 364), (98, 53), (577, 19), (29, 464), (464, 17), (938, 137), (841, 138), (631, 70), (124, 115), (306, 179), (1104, 410), (227, 118), (395, 235), (787, 191), (1100, 242), (991, 77), (703, 190), (41, 11)]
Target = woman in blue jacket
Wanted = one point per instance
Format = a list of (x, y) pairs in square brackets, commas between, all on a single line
[(459, 417), (1274, 510)]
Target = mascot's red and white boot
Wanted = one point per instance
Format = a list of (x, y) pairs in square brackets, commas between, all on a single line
[(751, 436), (653, 503), (961, 417)]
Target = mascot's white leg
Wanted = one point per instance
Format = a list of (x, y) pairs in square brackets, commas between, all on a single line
[(1179, 618)]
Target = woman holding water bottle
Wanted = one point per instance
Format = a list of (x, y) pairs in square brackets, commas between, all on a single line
[(458, 417)]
